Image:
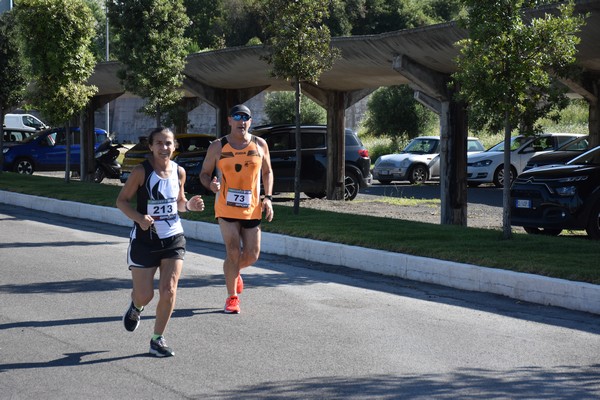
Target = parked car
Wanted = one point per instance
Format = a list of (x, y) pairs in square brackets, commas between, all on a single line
[(192, 162), (550, 199), (46, 151), (488, 166), (26, 122), (313, 174), (185, 142), (560, 156), (16, 134), (418, 162)]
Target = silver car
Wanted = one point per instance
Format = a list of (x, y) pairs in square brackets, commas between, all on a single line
[(418, 162)]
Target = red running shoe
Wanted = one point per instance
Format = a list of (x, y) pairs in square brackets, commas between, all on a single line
[(239, 287), (232, 305)]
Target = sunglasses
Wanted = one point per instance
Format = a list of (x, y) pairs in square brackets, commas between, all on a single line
[(240, 117)]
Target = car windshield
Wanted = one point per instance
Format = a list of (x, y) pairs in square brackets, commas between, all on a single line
[(422, 146), (591, 157), (31, 138), (474, 145), (352, 140), (515, 143), (581, 143)]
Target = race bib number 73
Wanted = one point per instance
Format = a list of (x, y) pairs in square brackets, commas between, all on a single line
[(239, 198)]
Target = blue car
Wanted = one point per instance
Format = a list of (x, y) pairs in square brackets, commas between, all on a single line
[(46, 151)]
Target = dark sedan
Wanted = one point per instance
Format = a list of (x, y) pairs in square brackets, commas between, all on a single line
[(560, 156), (550, 199), (313, 174)]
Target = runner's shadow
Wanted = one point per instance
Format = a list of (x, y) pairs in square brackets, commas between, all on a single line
[(177, 313), (191, 312), (69, 360)]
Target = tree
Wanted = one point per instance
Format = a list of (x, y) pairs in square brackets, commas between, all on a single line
[(56, 37), (393, 112), (506, 68), (12, 81), (98, 8), (280, 106), (206, 24), (378, 16), (150, 42), (300, 51)]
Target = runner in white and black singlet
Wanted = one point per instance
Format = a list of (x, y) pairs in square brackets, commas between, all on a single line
[(156, 239)]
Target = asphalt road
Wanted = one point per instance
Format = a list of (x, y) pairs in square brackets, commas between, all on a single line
[(306, 331)]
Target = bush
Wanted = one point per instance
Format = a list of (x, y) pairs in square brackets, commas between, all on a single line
[(280, 106), (393, 111)]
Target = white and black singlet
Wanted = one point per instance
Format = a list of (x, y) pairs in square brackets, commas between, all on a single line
[(157, 197)]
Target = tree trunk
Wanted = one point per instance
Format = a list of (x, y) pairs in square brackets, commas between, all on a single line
[(506, 228), (298, 150), (1, 140), (68, 152)]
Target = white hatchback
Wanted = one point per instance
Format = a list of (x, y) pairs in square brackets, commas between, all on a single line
[(418, 162), (488, 167)]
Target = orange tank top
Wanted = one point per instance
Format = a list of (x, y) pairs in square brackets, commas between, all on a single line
[(239, 171)]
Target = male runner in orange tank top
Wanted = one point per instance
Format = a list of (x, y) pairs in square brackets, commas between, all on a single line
[(240, 160)]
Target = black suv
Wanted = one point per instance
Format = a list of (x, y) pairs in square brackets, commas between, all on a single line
[(550, 199), (313, 174)]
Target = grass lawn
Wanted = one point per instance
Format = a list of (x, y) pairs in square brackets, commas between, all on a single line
[(573, 258)]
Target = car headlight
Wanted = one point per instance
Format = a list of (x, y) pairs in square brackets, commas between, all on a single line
[(566, 191), (405, 163), (573, 179), (482, 163), (5, 150)]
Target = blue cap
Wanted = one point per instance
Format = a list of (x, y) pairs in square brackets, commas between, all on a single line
[(240, 109)]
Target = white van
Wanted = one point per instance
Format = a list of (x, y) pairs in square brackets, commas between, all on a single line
[(24, 121)]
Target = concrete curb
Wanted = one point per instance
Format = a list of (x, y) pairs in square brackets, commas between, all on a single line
[(527, 287)]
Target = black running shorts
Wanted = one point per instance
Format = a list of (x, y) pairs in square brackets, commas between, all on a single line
[(245, 223), (148, 254)]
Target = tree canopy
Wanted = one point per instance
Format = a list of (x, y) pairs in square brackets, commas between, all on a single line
[(394, 112), (12, 80), (507, 68), (150, 42), (280, 106), (56, 38)]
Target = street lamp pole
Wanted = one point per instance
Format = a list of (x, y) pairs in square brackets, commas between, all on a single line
[(107, 110)]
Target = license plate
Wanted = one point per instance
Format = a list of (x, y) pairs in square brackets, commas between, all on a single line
[(384, 172), (523, 203)]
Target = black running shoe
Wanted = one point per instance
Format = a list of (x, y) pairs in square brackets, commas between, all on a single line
[(159, 348), (131, 319)]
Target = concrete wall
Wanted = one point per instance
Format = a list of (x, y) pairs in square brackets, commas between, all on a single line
[(127, 123)]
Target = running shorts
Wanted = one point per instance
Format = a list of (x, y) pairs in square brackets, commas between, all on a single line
[(148, 254), (245, 223)]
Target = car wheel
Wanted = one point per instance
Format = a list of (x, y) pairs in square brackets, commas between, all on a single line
[(384, 181), (542, 231), (313, 195), (99, 175), (418, 174), (351, 186), (499, 176), (23, 166), (593, 228)]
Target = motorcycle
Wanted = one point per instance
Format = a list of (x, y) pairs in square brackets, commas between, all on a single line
[(107, 165)]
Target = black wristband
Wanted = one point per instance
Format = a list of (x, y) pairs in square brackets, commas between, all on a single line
[(268, 196), (186, 207)]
